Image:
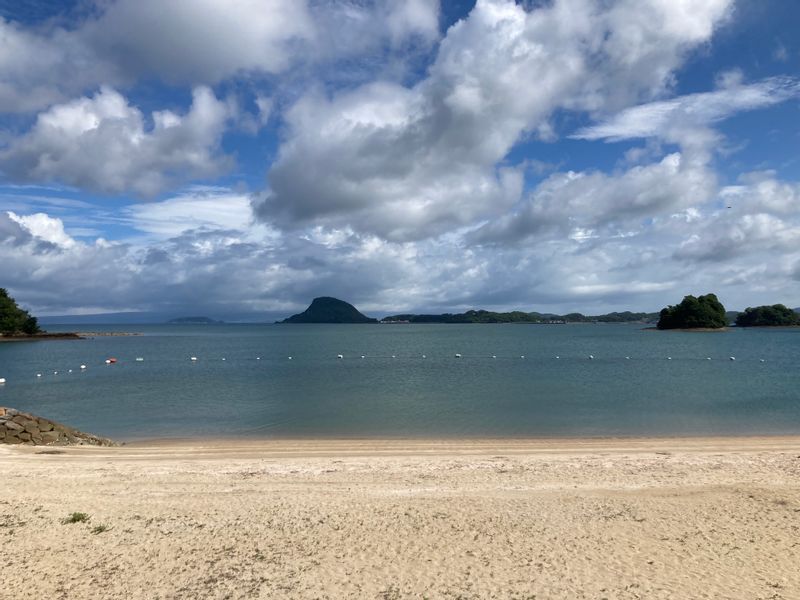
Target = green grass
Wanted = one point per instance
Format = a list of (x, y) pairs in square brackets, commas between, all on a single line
[(100, 529), (76, 517)]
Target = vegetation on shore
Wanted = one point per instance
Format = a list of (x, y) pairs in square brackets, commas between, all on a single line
[(486, 316), (776, 315), (702, 312), (14, 320)]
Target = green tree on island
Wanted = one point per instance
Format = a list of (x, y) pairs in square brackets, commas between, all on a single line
[(704, 312), (776, 315), (14, 320)]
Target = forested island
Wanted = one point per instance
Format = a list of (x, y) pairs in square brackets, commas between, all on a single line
[(776, 315), (329, 310), (19, 324)]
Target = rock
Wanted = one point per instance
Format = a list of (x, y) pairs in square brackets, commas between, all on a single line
[(12, 440), (49, 437), (2, 433), (14, 426), (45, 426), (32, 427), (19, 419), (24, 436)]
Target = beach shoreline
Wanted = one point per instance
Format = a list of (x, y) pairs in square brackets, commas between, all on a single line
[(567, 518)]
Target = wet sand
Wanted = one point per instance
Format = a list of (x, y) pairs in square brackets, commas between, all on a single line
[(632, 518)]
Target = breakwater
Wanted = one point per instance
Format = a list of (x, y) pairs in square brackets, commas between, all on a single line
[(17, 427)]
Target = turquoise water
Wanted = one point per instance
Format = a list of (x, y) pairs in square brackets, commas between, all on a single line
[(315, 394)]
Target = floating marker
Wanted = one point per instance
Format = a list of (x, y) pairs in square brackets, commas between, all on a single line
[(627, 358), (669, 358), (258, 358), (708, 358), (83, 367), (423, 356), (393, 356), (732, 357), (362, 356), (458, 355), (339, 356), (223, 358), (139, 359), (557, 357), (494, 356), (193, 359), (523, 356), (2, 380), (38, 374), (290, 358), (70, 371), (591, 357), (762, 360), (55, 372), (108, 362)]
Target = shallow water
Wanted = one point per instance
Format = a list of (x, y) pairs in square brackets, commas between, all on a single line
[(315, 394)]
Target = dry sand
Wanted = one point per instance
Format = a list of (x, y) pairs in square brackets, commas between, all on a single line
[(713, 518)]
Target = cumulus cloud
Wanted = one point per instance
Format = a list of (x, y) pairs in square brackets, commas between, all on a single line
[(411, 162), (104, 144)]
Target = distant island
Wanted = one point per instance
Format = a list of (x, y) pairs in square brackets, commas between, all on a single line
[(193, 321), (701, 312), (776, 315), (486, 316), (329, 310)]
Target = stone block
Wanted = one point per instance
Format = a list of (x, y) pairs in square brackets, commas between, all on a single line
[(45, 426), (14, 426), (36, 438), (13, 440), (19, 419), (24, 436), (32, 427)]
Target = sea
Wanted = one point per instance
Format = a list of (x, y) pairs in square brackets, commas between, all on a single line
[(409, 381)]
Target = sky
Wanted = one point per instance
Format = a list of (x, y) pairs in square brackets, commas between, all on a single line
[(241, 158)]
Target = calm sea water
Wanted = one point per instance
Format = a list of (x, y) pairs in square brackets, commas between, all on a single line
[(395, 392)]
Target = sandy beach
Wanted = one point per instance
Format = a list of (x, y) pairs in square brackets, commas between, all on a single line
[(640, 518)]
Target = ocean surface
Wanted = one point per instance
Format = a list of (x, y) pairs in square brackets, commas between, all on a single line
[(667, 386)]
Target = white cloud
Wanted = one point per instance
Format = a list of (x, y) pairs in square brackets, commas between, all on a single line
[(659, 119), (46, 228), (411, 162), (104, 144), (191, 210)]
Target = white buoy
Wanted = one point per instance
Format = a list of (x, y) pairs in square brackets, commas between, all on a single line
[(558, 357), (55, 372), (38, 375), (139, 359), (494, 356), (83, 367), (290, 358), (108, 362), (2, 380), (708, 358), (339, 356), (732, 357), (193, 359), (423, 356), (591, 357), (523, 356), (669, 358), (362, 356), (762, 360), (393, 356), (627, 358), (70, 371), (458, 355), (258, 358), (223, 358)]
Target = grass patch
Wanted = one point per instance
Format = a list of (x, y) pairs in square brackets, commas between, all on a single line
[(76, 517), (100, 529)]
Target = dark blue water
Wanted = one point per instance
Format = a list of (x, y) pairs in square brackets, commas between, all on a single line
[(315, 394)]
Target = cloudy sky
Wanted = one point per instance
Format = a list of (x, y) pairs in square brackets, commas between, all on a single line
[(236, 157)]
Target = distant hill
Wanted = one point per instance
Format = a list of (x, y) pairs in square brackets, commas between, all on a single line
[(193, 321), (329, 310), (486, 316)]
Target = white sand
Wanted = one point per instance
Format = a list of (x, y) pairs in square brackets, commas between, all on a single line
[(714, 518)]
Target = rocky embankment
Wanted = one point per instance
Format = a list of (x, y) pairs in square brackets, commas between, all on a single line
[(17, 427)]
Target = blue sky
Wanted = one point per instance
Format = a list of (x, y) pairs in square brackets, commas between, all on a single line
[(404, 155)]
